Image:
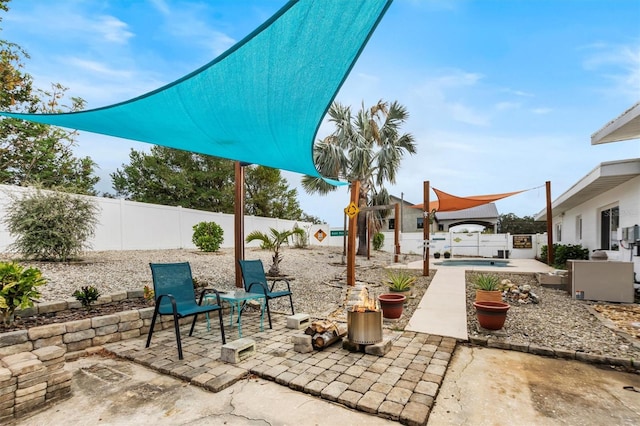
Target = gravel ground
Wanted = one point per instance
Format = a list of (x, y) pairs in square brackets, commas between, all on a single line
[(318, 283), (557, 321)]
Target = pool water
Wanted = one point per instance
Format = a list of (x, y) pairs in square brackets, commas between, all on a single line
[(474, 262)]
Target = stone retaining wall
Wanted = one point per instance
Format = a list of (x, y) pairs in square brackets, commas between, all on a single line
[(30, 380), (32, 361)]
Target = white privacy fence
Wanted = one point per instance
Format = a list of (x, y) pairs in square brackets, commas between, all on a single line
[(471, 244), (129, 225)]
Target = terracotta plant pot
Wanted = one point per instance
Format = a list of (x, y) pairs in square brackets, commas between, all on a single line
[(491, 315), (392, 305), (488, 296)]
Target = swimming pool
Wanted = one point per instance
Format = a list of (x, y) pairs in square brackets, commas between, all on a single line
[(474, 262)]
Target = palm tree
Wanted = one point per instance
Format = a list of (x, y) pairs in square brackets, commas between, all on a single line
[(273, 241), (366, 148)]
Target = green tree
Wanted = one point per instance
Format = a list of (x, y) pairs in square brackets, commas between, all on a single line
[(173, 177), (268, 194), (367, 148), (512, 224), (32, 152)]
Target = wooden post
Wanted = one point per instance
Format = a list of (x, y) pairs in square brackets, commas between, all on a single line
[(351, 237), (426, 228), (396, 233), (239, 221), (550, 253), (368, 216)]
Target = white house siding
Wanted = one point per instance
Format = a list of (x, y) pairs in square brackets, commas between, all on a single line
[(626, 196)]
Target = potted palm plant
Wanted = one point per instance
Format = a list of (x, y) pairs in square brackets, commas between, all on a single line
[(487, 288)]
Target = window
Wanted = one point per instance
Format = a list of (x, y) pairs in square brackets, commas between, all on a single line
[(558, 232), (579, 227), (392, 224), (420, 223), (609, 223)]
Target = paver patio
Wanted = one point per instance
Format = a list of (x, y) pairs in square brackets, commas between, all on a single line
[(401, 385)]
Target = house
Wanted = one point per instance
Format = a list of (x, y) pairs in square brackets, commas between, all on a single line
[(485, 215), (412, 218), (602, 210)]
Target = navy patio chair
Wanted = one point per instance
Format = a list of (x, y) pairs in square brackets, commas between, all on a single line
[(174, 295), (255, 281)]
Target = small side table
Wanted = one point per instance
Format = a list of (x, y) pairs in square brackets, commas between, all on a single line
[(236, 299)]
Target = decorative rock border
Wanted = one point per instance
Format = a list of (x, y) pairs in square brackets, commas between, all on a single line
[(490, 342), (63, 305)]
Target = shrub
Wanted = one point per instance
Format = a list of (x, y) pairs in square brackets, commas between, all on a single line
[(149, 294), (486, 282), (87, 296), (301, 240), (400, 280), (51, 226), (563, 253), (378, 240), (18, 289), (207, 236)]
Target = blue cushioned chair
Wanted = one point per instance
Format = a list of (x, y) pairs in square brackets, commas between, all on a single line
[(255, 281), (175, 296)]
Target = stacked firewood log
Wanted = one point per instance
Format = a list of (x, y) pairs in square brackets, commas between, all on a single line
[(324, 333)]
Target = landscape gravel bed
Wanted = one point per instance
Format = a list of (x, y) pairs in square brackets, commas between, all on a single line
[(318, 273), (558, 321)]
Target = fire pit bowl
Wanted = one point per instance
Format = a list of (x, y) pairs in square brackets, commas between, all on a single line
[(364, 328)]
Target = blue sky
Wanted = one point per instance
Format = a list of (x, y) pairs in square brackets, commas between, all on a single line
[(503, 95)]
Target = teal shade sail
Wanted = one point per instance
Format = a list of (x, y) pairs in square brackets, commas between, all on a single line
[(260, 102)]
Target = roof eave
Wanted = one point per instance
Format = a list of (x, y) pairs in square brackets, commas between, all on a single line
[(624, 127)]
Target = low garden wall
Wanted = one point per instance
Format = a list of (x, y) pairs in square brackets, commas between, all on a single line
[(32, 373)]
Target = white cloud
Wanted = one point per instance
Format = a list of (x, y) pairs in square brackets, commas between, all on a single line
[(112, 29), (619, 64)]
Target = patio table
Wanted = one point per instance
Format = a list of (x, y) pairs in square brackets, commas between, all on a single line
[(236, 300)]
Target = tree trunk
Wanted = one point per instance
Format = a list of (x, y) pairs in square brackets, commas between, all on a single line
[(362, 234)]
